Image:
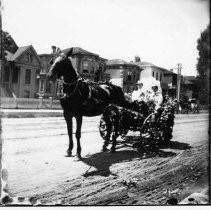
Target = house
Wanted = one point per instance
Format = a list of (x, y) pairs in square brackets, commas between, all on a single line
[(89, 65), (47, 88), (20, 76), (167, 78), (123, 73)]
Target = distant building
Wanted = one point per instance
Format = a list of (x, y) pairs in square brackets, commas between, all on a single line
[(189, 87), (47, 88), (20, 76), (123, 73), (168, 79), (89, 65)]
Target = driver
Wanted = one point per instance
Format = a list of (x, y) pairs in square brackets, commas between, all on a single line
[(138, 95), (155, 94)]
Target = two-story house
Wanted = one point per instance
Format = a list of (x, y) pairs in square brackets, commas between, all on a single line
[(167, 78), (20, 76), (123, 73), (89, 65)]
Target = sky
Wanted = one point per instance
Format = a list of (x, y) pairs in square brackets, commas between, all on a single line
[(162, 32)]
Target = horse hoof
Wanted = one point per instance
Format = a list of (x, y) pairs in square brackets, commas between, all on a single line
[(104, 149), (78, 158), (69, 154)]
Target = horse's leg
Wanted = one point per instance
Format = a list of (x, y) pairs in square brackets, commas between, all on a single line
[(114, 136), (108, 134), (78, 135), (68, 117)]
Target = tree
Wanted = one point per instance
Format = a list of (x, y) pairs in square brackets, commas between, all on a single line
[(8, 42), (203, 65)]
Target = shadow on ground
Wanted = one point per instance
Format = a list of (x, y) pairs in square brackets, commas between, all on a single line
[(128, 140), (125, 152)]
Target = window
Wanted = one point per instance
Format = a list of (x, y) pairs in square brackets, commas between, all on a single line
[(48, 86), (161, 77), (153, 74), (85, 66), (92, 69), (6, 74), (134, 77), (15, 75), (42, 85), (28, 77), (129, 76), (156, 75), (29, 57)]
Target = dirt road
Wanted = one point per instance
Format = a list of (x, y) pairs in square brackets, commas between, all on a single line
[(34, 156)]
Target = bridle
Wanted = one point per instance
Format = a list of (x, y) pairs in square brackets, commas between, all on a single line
[(69, 84)]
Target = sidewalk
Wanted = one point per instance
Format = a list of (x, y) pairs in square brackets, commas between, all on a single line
[(26, 113), (34, 113)]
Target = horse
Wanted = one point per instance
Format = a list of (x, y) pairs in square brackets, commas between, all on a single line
[(185, 107), (82, 98)]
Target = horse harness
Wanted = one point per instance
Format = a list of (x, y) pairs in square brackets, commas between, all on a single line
[(76, 89)]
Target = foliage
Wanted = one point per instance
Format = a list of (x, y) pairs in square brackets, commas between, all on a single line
[(138, 116), (203, 65), (8, 42)]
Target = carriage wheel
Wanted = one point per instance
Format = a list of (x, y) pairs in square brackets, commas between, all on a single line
[(107, 121), (150, 132), (103, 127)]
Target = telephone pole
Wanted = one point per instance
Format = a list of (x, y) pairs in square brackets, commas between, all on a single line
[(1, 43), (179, 67)]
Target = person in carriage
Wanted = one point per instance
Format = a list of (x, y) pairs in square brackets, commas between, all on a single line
[(149, 89), (155, 94), (139, 94)]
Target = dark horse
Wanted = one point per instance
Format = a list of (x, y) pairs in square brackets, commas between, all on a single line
[(82, 98), (185, 106)]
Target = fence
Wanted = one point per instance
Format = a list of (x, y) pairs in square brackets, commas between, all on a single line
[(41, 103), (29, 103)]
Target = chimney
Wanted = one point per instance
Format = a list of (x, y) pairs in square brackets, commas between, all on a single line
[(137, 58), (53, 49)]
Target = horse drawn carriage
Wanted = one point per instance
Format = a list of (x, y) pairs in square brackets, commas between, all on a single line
[(118, 116), (155, 127)]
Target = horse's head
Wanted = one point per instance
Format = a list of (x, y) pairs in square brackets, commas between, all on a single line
[(62, 66)]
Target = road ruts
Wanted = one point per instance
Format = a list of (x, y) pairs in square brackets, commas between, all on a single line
[(34, 155)]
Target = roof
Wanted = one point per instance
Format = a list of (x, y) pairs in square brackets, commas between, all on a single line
[(17, 54), (144, 64), (116, 62), (14, 57), (165, 71), (78, 50), (46, 55)]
